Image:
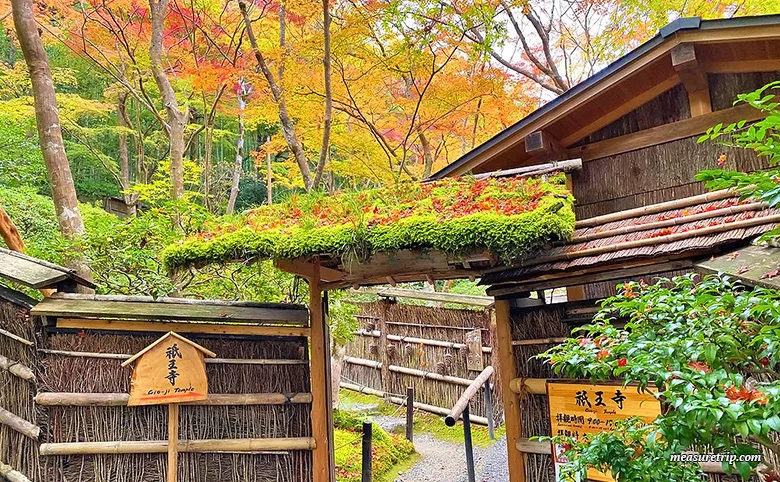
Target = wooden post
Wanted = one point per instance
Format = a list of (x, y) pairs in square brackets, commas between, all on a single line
[(410, 414), (385, 375), (507, 372), (469, 445), (366, 468), (321, 404), (489, 408), (173, 441)]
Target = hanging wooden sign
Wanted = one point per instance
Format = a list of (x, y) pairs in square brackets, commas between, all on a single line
[(577, 409), (170, 370), (474, 350)]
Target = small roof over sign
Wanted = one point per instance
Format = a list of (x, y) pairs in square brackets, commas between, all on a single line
[(36, 273), (753, 265), (138, 355)]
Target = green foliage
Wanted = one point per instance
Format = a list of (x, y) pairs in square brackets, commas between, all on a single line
[(762, 137), (341, 318), (708, 348), (508, 223)]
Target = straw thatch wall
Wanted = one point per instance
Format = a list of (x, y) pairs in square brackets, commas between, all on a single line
[(545, 322), (426, 322), (16, 394), (71, 424)]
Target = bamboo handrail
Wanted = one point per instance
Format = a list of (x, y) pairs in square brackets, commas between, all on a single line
[(468, 394), (424, 341), (533, 386), (241, 445), (747, 223), (16, 368), (670, 222), (657, 208), (409, 371), (216, 361), (19, 424), (61, 399), (402, 401)]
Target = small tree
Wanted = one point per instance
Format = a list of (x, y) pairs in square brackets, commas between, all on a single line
[(707, 348)]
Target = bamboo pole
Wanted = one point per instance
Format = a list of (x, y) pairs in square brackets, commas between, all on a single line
[(16, 368), (467, 395), (19, 424), (424, 341), (741, 208), (409, 371), (538, 341), (384, 366), (533, 386), (16, 337), (12, 475), (216, 361), (657, 208), (185, 446), (610, 248), (61, 399), (173, 442)]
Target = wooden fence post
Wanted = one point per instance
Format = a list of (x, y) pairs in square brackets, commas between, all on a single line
[(489, 409), (385, 373), (410, 414), (507, 372), (469, 444), (367, 470), (321, 406)]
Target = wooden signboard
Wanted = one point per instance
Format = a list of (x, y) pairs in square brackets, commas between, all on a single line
[(170, 371), (474, 350), (577, 409)]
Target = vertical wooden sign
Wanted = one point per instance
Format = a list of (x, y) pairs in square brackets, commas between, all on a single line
[(170, 371), (474, 351)]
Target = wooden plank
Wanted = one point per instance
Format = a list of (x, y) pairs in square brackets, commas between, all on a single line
[(182, 327), (617, 274), (752, 265), (469, 300), (209, 361), (305, 269), (665, 133), (247, 445), (29, 273), (507, 370), (320, 365), (62, 399), (152, 310), (741, 66)]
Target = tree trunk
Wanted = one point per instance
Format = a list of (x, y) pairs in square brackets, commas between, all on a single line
[(337, 366), (177, 119), (49, 131), (124, 155), (288, 127), (239, 165), (327, 120), (427, 154), (268, 179)]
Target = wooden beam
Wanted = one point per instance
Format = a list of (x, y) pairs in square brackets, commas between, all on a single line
[(615, 114), (616, 274), (666, 133), (469, 300), (209, 361), (305, 269), (63, 399), (240, 445), (173, 442), (320, 364), (741, 66), (544, 146), (693, 78), (182, 327), (507, 372)]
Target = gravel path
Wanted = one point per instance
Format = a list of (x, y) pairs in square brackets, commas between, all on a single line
[(443, 461)]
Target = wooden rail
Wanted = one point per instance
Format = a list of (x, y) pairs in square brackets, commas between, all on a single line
[(215, 361), (409, 371), (54, 399), (19, 424), (467, 395), (240, 445), (424, 341), (15, 368)]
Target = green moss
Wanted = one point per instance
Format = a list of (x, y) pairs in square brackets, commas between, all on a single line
[(388, 450), (433, 424)]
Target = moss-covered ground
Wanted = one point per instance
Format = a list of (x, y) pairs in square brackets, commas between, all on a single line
[(392, 452)]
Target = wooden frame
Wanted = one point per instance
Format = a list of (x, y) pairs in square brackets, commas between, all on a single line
[(182, 327)]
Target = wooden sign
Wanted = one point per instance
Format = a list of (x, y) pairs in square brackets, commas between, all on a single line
[(577, 409), (474, 350), (170, 370)]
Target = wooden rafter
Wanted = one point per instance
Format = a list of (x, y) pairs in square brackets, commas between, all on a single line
[(693, 78)]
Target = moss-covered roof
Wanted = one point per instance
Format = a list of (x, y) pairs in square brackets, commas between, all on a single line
[(505, 216)]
